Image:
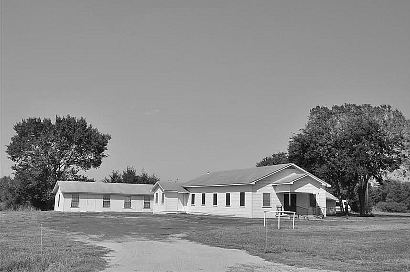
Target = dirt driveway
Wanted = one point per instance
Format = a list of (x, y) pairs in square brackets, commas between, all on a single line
[(179, 255)]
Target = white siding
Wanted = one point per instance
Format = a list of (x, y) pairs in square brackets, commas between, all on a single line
[(94, 203), (157, 206), (171, 201), (59, 201), (221, 209)]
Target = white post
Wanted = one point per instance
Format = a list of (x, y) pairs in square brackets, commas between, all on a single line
[(293, 221), (266, 237), (279, 221), (264, 218), (41, 239)]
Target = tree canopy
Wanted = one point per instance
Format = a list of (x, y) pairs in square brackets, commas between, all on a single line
[(351, 144), (391, 196), (276, 158), (129, 175), (44, 152)]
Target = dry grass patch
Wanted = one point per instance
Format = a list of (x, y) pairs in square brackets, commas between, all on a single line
[(20, 246)]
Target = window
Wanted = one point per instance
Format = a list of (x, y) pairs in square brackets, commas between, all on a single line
[(215, 199), (127, 202), (312, 200), (266, 200), (106, 201), (156, 197), (203, 199), (147, 202), (228, 199), (162, 198), (242, 199), (58, 203), (75, 200), (192, 199)]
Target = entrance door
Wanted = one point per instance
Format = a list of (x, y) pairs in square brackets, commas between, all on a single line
[(90, 203), (181, 206), (290, 205)]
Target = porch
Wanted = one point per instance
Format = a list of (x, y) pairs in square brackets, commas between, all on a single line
[(304, 204)]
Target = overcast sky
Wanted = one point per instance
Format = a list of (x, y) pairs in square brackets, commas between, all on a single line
[(187, 87)]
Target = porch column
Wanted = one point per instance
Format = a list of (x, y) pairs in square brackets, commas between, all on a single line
[(321, 200)]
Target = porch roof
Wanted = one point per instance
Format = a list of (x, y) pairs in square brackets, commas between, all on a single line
[(331, 197), (292, 178), (167, 186)]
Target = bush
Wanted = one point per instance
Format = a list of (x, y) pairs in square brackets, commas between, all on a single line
[(392, 206)]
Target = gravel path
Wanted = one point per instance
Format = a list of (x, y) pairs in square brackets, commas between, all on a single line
[(178, 255)]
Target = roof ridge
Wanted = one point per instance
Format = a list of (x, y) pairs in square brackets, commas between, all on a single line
[(236, 176), (248, 168)]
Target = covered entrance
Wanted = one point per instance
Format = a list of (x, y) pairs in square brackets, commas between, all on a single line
[(301, 203), (301, 193), (289, 202)]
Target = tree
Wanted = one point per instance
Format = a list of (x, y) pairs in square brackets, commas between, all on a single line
[(276, 158), (129, 175), (349, 145), (44, 152), (9, 197), (115, 177), (391, 196)]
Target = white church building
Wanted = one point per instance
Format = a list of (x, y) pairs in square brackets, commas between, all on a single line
[(242, 193)]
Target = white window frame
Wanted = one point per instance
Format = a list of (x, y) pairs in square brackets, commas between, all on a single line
[(106, 201), (75, 201), (215, 197), (244, 199), (127, 202), (226, 199), (203, 199), (269, 200), (147, 202)]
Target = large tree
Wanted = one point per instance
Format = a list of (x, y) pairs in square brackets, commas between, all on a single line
[(349, 145), (44, 152)]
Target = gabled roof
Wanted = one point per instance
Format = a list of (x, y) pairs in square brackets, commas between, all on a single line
[(236, 177), (103, 188), (168, 186), (292, 178), (249, 176)]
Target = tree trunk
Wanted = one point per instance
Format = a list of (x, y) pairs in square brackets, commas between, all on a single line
[(362, 196)]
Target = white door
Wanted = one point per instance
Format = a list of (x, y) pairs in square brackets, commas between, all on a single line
[(90, 203), (181, 202)]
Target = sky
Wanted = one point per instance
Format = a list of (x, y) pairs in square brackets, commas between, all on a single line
[(186, 87)]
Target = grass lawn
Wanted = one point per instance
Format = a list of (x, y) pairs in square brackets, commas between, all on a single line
[(336, 243)]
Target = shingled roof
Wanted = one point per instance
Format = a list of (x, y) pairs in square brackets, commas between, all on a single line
[(249, 176), (290, 178), (103, 188), (238, 176)]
